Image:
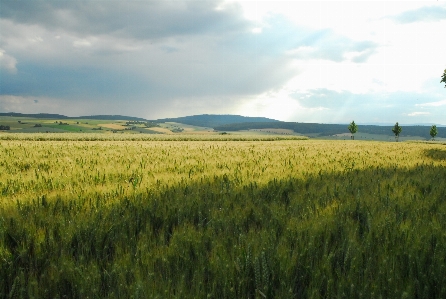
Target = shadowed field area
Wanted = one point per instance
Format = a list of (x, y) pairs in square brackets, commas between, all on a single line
[(436, 154)]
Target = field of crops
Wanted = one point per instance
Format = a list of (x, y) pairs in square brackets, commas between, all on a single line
[(222, 219)]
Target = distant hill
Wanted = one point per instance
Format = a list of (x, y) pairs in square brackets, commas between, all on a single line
[(332, 129), (59, 116), (239, 123), (36, 115), (214, 120)]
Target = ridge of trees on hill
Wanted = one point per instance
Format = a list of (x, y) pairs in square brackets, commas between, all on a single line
[(213, 120), (331, 129), (112, 117)]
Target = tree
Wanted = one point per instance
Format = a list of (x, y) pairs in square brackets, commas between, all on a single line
[(433, 132), (353, 128), (443, 78), (397, 131)]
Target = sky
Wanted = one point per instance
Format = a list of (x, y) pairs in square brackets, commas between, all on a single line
[(304, 61)]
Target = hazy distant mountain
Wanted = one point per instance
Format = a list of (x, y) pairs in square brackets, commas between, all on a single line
[(36, 115), (213, 120), (59, 116)]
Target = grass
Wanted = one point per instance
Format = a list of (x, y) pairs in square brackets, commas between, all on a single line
[(136, 136), (26, 125), (70, 128), (208, 219)]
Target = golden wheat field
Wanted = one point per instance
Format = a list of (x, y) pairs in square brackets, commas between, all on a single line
[(222, 218), (76, 168)]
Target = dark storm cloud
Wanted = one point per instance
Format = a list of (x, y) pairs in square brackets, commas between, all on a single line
[(423, 14), (130, 19)]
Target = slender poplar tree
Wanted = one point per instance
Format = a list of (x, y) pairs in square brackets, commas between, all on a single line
[(433, 132), (397, 131), (353, 128)]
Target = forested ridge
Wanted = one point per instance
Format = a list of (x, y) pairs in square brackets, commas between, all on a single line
[(212, 120)]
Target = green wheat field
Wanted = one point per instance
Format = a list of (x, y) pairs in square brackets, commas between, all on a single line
[(217, 217)]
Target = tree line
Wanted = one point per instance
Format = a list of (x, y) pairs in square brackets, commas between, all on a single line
[(397, 129)]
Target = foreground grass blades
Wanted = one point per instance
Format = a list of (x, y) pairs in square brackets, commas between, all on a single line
[(349, 225)]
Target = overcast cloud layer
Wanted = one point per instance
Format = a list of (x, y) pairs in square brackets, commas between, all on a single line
[(330, 62)]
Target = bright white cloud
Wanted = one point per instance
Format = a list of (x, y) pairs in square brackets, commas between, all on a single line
[(82, 43), (418, 113), (7, 62), (275, 104), (433, 104)]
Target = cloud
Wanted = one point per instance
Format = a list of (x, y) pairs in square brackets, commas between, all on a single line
[(44, 104), (343, 106), (12, 103), (222, 59), (131, 19), (423, 14), (158, 59), (7, 62), (432, 104), (156, 50), (332, 99), (418, 113), (363, 56), (81, 43), (326, 44)]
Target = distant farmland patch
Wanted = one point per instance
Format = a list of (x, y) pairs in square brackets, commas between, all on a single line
[(39, 130), (113, 126), (161, 130), (274, 131), (66, 127)]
